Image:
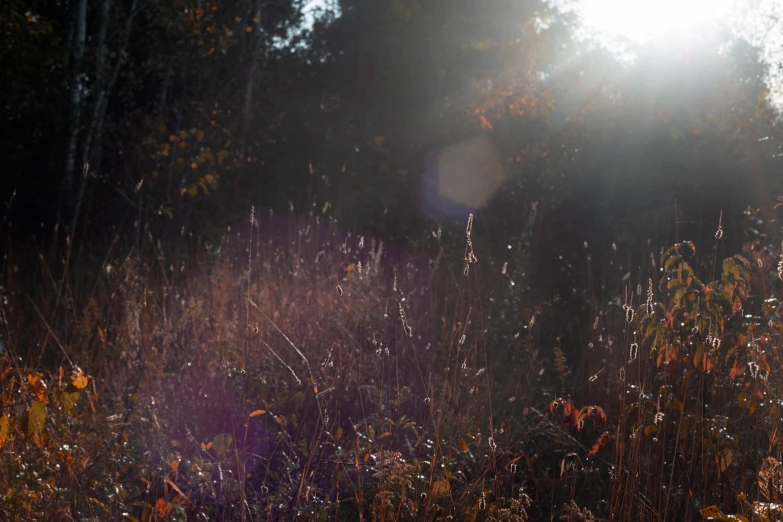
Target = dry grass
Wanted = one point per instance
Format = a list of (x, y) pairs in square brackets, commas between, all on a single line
[(313, 375)]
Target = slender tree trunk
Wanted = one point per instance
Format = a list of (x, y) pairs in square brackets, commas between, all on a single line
[(250, 81), (99, 108), (77, 88), (255, 55)]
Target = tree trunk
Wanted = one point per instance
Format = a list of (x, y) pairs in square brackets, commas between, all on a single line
[(251, 73), (106, 85), (80, 37), (247, 107)]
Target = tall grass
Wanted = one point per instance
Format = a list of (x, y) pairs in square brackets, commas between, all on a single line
[(297, 371)]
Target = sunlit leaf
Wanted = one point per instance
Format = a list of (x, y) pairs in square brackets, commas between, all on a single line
[(256, 413), (602, 442), (79, 380), (38, 386), (5, 424), (35, 418), (714, 513)]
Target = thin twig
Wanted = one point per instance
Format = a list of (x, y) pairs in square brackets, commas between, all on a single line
[(52, 333)]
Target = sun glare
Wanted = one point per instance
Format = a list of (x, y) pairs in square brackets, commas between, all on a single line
[(647, 20)]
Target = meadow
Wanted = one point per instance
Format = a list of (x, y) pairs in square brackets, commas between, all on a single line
[(296, 371)]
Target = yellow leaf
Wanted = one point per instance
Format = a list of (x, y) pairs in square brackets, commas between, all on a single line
[(193, 190), (256, 413), (35, 418), (338, 434), (79, 381), (714, 513), (69, 400)]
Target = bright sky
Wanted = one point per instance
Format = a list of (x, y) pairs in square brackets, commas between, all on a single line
[(644, 20), (312, 8), (647, 21)]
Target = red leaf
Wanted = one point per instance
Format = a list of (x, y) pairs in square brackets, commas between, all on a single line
[(602, 442)]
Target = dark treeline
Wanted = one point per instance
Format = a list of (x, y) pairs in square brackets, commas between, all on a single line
[(188, 113)]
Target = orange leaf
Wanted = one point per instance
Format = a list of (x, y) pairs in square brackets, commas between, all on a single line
[(463, 446), (256, 413), (5, 422), (598, 414), (161, 508), (38, 387), (79, 381)]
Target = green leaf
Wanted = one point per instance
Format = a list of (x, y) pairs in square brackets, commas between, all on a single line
[(69, 400), (35, 418), (222, 443)]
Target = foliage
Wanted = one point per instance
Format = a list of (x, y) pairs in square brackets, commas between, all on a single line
[(299, 370)]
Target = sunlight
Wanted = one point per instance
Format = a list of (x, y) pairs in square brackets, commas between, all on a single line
[(645, 20)]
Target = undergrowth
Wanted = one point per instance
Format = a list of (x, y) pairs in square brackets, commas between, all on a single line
[(297, 371)]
